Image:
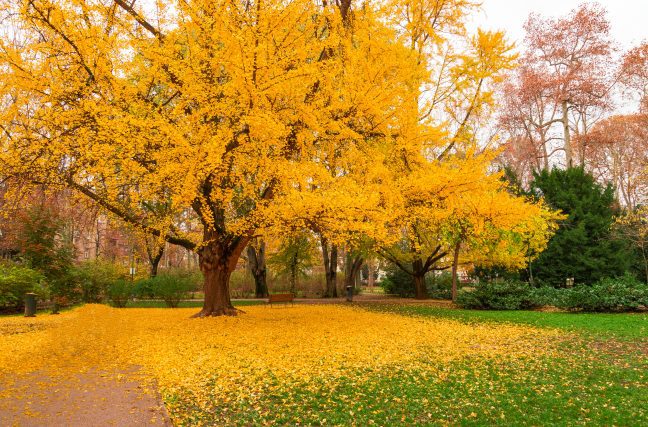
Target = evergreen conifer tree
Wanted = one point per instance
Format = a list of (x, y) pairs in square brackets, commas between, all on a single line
[(584, 247)]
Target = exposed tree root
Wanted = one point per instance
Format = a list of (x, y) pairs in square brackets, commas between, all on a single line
[(221, 311)]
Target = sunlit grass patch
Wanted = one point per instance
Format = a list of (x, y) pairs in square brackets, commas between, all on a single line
[(626, 326), (473, 391)]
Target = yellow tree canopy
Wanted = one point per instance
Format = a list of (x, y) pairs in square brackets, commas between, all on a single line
[(229, 109), (444, 190), (355, 120), (457, 202)]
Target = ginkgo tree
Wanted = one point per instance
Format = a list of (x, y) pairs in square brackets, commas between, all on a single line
[(456, 211), (231, 109), (448, 201), (248, 116)]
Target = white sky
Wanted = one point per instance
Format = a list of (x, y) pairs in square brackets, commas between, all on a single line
[(628, 18)]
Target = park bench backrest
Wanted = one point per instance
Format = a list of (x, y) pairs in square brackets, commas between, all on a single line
[(281, 298)]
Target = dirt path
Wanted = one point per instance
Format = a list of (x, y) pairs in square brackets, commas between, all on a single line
[(88, 399)]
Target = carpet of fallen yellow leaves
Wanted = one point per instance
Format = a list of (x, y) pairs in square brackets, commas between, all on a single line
[(234, 356)]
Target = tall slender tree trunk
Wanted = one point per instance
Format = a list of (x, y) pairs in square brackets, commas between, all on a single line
[(455, 266), (293, 274), (257, 266), (645, 260), (330, 256), (155, 263), (154, 252), (418, 274), (567, 137), (371, 277), (352, 269), (217, 261), (583, 141), (545, 152)]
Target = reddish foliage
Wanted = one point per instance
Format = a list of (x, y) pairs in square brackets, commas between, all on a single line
[(634, 73), (561, 89), (617, 152)]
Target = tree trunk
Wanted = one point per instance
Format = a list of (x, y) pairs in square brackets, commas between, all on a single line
[(455, 265), (154, 252), (566, 135), (330, 268), (293, 275), (217, 293), (154, 260), (155, 263), (645, 259), (419, 287), (371, 277), (217, 262), (353, 265), (420, 291), (257, 266)]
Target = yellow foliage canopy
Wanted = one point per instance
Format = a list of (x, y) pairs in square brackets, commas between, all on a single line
[(355, 121)]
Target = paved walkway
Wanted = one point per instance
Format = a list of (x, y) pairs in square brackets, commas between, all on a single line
[(87, 399)]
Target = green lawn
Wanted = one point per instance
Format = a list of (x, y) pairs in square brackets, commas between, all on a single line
[(628, 326), (537, 392)]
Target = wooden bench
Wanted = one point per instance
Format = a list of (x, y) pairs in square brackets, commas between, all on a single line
[(285, 298)]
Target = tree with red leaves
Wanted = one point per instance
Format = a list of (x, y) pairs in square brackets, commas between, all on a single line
[(562, 87), (634, 73), (617, 152)]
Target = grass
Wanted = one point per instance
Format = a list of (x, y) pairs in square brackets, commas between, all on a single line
[(39, 312), (628, 326), (536, 392), (599, 376)]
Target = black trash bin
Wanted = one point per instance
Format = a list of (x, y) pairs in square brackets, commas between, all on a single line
[(349, 295), (30, 304)]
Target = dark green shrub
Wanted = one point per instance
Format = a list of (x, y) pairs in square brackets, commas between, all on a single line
[(171, 286), (172, 289), (16, 281), (505, 295), (494, 273), (144, 289), (624, 293), (439, 286), (120, 292), (397, 282), (546, 296), (94, 278)]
